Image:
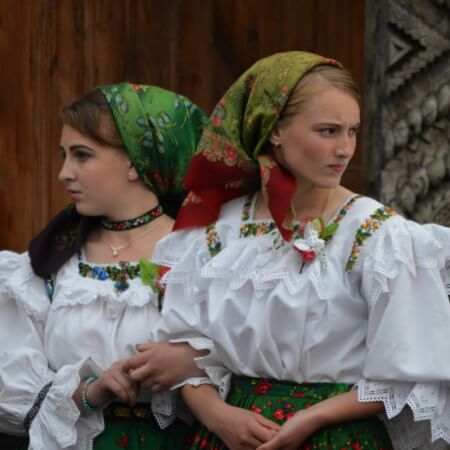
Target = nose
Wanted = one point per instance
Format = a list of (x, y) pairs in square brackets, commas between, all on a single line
[(346, 146), (66, 172)]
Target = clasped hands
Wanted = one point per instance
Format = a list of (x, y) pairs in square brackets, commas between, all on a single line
[(156, 367), (160, 365)]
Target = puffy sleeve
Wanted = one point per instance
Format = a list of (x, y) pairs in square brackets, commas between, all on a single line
[(33, 397), (183, 318), (403, 272)]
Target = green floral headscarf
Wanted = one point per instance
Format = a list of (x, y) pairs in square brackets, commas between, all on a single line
[(160, 131), (231, 159)]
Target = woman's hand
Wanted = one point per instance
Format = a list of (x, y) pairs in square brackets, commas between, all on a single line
[(240, 429), (338, 409), (294, 432), (115, 384), (163, 364)]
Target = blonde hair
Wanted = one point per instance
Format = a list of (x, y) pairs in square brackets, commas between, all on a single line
[(315, 81)]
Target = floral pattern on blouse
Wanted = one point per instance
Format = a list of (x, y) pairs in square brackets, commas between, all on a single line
[(119, 274), (259, 228), (365, 231), (213, 240)]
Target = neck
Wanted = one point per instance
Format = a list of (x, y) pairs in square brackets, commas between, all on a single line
[(134, 208), (311, 201)]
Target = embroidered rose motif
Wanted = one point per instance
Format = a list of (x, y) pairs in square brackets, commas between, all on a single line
[(279, 414), (262, 387)]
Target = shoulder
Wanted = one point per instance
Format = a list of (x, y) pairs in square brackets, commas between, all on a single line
[(379, 233), (18, 283)]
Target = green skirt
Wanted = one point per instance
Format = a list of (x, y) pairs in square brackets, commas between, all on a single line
[(132, 429), (279, 400), (135, 429)]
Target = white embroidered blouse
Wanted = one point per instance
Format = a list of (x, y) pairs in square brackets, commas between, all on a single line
[(373, 311), (94, 319)]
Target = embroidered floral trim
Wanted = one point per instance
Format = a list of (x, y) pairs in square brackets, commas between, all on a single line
[(213, 240), (344, 210), (371, 224), (120, 275), (256, 229), (247, 207), (251, 229)]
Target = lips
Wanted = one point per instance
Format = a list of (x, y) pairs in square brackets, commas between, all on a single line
[(73, 194), (336, 168)]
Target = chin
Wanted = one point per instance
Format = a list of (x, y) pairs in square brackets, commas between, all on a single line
[(85, 210)]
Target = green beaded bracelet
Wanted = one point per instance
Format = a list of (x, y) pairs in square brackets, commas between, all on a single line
[(84, 400)]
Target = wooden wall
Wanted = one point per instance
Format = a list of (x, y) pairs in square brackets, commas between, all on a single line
[(52, 51)]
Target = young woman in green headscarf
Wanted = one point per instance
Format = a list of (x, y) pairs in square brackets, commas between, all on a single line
[(85, 294), (321, 309)]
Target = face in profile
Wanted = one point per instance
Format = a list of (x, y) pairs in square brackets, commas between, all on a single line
[(95, 175), (316, 144)]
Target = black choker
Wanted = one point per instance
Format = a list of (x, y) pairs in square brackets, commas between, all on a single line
[(128, 224)]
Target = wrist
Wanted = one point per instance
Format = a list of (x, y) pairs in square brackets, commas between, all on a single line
[(217, 415), (86, 401), (312, 419)]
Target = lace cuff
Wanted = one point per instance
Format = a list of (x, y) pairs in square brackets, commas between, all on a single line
[(168, 405), (57, 423), (424, 425), (164, 407), (217, 374)]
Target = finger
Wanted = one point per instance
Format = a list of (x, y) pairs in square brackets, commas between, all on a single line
[(262, 433), (252, 442), (134, 362), (264, 421), (118, 390), (130, 386), (157, 387), (273, 444), (143, 373), (144, 346)]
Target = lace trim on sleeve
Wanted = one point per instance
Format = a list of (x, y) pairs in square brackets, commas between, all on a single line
[(58, 423), (425, 424), (217, 374)]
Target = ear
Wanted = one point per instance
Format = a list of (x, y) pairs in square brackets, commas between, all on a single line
[(132, 174), (275, 136)]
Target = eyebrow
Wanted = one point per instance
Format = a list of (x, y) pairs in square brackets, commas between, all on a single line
[(334, 124), (76, 147)]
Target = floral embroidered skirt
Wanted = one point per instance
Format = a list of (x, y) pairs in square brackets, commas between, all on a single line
[(138, 434), (279, 400)]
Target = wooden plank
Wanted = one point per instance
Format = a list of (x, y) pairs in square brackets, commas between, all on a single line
[(53, 51), (17, 175), (339, 26)]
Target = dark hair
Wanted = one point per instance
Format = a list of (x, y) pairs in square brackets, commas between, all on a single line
[(91, 116)]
